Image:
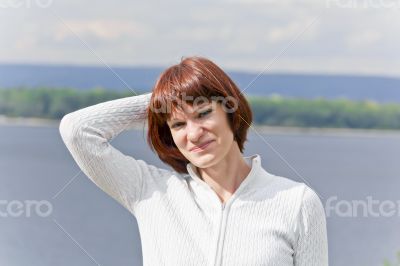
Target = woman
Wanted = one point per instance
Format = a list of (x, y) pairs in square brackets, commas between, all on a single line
[(216, 207)]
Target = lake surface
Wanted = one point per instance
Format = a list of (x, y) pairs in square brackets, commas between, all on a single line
[(83, 226)]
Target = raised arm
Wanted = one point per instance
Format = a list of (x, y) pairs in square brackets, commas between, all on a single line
[(312, 244), (87, 133)]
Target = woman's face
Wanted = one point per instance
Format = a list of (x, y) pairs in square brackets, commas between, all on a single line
[(201, 133)]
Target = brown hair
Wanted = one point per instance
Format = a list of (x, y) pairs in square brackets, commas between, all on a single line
[(192, 78)]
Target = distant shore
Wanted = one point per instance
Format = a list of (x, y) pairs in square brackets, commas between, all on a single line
[(42, 122), (25, 121)]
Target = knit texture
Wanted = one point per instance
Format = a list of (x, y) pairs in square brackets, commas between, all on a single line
[(269, 220)]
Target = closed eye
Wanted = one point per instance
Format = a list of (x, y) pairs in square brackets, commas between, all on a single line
[(202, 114), (178, 124)]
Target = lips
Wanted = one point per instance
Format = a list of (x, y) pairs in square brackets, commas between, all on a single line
[(201, 146)]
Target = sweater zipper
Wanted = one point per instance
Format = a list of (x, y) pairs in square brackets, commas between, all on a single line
[(221, 236)]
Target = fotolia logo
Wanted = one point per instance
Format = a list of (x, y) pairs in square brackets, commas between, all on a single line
[(363, 3), (26, 208), (25, 3), (361, 208)]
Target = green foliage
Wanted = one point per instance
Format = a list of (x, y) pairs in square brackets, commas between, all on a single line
[(274, 110), (339, 113), (51, 103), (397, 263)]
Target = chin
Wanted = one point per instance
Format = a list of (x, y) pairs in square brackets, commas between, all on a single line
[(204, 161)]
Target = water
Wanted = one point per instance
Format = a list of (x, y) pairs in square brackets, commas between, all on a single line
[(88, 227)]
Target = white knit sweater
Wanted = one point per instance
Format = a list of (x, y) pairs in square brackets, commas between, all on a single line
[(269, 220)]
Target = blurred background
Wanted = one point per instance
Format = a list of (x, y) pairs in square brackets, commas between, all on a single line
[(322, 77)]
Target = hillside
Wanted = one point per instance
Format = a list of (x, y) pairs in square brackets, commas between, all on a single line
[(309, 86)]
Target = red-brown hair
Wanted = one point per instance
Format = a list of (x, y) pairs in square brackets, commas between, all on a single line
[(193, 77)]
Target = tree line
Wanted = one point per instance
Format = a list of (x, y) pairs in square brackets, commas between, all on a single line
[(267, 110)]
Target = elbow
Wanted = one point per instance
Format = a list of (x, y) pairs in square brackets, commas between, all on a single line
[(67, 128)]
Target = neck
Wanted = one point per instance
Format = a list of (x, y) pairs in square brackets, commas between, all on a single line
[(227, 175)]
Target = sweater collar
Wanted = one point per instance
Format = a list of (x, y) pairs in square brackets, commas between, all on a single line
[(254, 161)]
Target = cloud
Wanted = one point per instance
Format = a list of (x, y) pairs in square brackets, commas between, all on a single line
[(102, 29), (244, 34), (364, 39), (291, 30)]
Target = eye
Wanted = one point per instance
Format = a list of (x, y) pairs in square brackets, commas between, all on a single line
[(177, 124), (202, 114)]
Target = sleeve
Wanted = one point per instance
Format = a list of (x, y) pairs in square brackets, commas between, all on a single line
[(312, 242), (87, 134)]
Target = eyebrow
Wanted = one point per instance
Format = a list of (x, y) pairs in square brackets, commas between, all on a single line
[(196, 110)]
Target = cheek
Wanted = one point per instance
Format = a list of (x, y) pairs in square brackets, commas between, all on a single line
[(178, 139), (222, 126)]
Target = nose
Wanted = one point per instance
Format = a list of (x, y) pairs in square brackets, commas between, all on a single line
[(194, 131)]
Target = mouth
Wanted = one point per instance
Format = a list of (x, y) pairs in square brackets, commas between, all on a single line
[(202, 147)]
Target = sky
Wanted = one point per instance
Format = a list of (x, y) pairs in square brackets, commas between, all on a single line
[(310, 36)]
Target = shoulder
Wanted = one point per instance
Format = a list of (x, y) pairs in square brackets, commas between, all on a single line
[(284, 187), (157, 176), (289, 187), (305, 196), (298, 195)]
